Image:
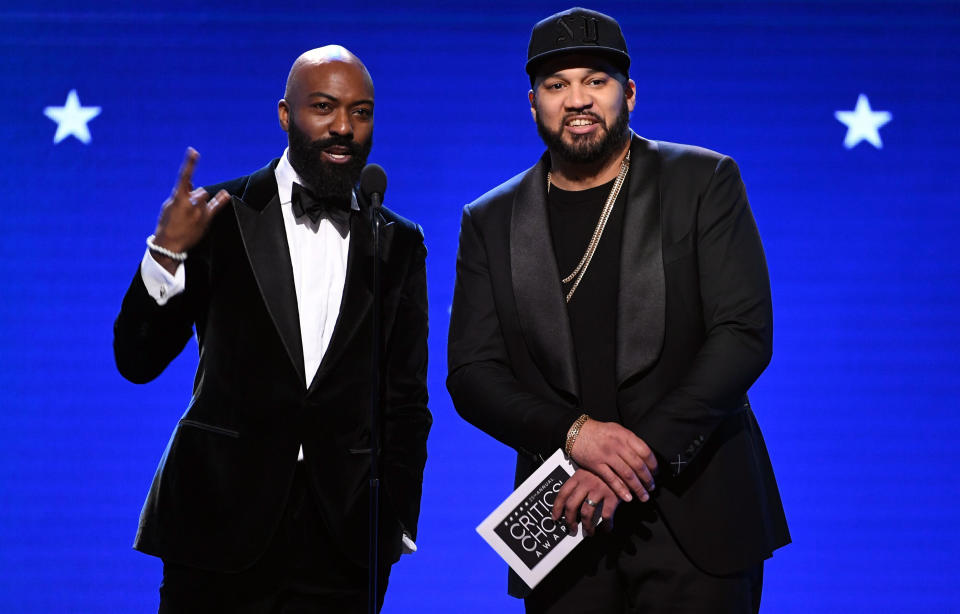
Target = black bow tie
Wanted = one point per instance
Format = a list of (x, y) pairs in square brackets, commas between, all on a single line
[(306, 203)]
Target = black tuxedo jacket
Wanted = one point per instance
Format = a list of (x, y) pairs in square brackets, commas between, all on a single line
[(694, 330), (223, 481)]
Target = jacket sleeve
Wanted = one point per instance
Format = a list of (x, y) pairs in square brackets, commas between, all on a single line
[(738, 324), (482, 384), (148, 336), (407, 420)]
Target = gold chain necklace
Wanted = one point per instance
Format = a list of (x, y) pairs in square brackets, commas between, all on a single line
[(581, 269)]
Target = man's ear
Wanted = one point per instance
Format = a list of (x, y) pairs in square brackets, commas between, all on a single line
[(533, 107), (631, 94), (283, 113)]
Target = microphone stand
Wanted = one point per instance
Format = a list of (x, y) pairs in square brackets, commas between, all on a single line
[(374, 528)]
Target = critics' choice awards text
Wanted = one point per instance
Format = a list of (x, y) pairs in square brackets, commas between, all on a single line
[(528, 529)]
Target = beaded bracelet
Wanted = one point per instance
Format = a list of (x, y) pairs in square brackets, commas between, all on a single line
[(153, 247)]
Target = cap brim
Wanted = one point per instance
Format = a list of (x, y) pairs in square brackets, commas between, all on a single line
[(617, 57)]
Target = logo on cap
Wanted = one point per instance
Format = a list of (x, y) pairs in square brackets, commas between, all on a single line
[(590, 28)]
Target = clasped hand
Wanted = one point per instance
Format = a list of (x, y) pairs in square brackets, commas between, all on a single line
[(614, 465)]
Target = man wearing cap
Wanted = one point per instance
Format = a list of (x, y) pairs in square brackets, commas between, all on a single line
[(613, 301), (261, 499)]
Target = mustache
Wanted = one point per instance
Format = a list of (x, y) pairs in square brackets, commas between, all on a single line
[(567, 117), (335, 141)]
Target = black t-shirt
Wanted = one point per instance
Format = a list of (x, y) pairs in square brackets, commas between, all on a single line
[(593, 308)]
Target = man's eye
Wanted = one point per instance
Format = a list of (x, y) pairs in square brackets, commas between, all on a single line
[(555, 86), (323, 106), (597, 81), (364, 112)]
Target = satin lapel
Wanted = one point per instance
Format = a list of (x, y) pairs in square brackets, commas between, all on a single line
[(265, 240), (642, 297), (358, 289), (536, 283)]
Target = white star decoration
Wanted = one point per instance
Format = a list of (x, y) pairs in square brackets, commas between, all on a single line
[(863, 123), (72, 119)]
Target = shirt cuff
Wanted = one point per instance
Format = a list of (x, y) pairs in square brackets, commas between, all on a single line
[(160, 284), (409, 546)]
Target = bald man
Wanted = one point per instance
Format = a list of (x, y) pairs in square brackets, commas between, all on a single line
[(260, 502)]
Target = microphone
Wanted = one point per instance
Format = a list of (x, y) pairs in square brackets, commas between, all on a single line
[(373, 184)]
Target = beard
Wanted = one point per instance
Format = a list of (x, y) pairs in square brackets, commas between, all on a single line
[(328, 181), (587, 148)]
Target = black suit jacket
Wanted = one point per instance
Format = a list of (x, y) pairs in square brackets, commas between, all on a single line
[(223, 481), (694, 330)]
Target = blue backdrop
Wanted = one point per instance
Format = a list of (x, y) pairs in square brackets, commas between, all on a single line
[(859, 406)]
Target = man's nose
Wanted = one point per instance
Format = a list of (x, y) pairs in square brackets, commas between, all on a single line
[(341, 124), (578, 98)]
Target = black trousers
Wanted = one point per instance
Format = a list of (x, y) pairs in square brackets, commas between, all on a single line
[(301, 571), (639, 568)]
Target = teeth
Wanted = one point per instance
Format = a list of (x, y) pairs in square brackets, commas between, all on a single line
[(337, 156), (580, 122)]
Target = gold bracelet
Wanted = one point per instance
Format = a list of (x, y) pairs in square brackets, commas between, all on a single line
[(573, 432)]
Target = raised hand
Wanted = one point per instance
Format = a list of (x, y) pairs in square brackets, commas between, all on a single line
[(186, 214), (586, 498), (615, 454)]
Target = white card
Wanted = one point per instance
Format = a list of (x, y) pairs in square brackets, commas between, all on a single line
[(521, 529)]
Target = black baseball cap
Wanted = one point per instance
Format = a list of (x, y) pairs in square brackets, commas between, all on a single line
[(577, 30)]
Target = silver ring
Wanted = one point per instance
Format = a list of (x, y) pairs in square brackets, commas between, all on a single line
[(591, 502)]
